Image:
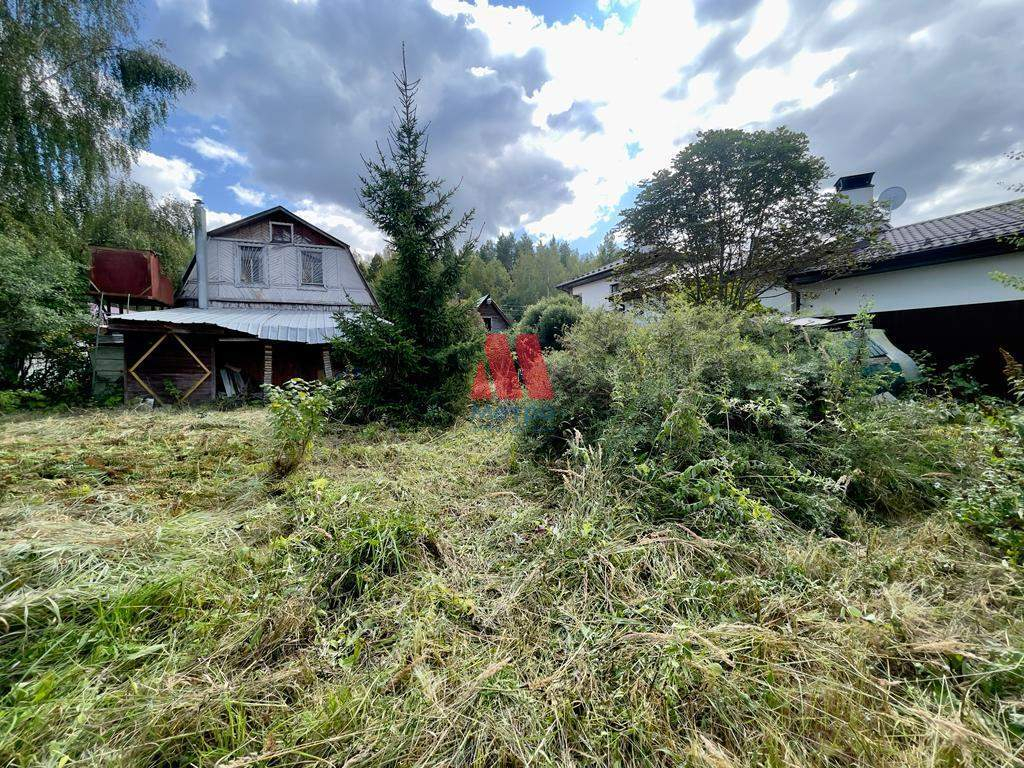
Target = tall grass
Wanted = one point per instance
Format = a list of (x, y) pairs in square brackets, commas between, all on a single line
[(431, 598)]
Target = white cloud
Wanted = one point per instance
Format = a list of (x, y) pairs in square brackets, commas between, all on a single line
[(248, 196), (481, 71), (166, 176), (348, 225), (197, 9), (633, 74), (843, 9), (212, 149), (216, 219), (979, 183), (768, 24)]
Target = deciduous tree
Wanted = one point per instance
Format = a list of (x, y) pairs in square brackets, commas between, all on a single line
[(735, 214)]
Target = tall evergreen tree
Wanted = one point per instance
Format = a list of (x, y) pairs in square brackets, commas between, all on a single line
[(418, 365)]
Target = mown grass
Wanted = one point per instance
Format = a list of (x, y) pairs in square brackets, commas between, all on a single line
[(432, 598)]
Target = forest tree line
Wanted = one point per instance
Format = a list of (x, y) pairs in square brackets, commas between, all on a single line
[(516, 271)]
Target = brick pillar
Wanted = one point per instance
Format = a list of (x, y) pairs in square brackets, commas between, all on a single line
[(268, 364), (328, 371)]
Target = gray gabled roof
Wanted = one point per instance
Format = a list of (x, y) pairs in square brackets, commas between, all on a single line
[(303, 326), (988, 223)]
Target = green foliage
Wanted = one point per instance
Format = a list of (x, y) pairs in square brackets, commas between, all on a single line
[(394, 380), (554, 322), (994, 504), (429, 598), (607, 252), (736, 214), (538, 269), (298, 413), (18, 399), (484, 276), (78, 96), (43, 315), (550, 318), (503, 250), (124, 215), (431, 345), (728, 416)]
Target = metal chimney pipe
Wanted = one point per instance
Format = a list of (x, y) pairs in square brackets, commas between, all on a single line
[(202, 283)]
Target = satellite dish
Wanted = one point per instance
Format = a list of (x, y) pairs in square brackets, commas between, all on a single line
[(893, 197)]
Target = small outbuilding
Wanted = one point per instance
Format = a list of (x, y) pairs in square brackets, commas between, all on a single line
[(495, 320)]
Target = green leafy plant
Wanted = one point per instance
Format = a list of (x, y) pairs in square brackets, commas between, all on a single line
[(298, 413), (550, 318)]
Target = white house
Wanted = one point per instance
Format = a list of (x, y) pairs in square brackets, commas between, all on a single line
[(932, 289)]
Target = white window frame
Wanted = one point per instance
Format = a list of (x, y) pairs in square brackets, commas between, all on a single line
[(323, 267), (291, 230), (264, 267)]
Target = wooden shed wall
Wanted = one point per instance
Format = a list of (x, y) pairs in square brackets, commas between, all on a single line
[(169, 363)]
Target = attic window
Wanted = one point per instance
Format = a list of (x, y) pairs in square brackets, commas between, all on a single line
[(312, 268), (280, 232)]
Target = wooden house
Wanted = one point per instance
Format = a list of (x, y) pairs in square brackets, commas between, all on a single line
[(257, 305), (493, 318)]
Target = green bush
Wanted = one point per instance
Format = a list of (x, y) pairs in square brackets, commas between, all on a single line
[(530, 322), (17, 399), (554, 322), (720, 416), (298, 412), (993, 506)]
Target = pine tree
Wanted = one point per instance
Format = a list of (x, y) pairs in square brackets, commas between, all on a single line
[(417, 367)]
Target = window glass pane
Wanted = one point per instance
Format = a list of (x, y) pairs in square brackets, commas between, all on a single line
[(251, 270), (280, 233), (312, 268)]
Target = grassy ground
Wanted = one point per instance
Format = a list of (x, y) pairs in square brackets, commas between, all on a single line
[(431, 599)]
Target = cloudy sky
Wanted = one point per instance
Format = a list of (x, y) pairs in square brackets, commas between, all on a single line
[(550, 111)]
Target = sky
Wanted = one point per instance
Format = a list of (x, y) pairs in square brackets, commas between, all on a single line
[(548, 113)]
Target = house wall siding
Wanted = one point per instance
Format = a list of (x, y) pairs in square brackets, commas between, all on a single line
[(343, 285), (595, 295), (955, 283)]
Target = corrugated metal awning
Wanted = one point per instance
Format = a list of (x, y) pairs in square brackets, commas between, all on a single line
[(303, 326)]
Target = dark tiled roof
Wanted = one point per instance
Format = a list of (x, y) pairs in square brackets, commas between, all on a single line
[(987, 223)]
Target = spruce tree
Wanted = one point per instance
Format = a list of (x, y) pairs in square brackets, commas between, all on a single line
[(418, 366)]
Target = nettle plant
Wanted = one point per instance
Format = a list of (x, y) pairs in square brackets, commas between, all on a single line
[(299, 411)]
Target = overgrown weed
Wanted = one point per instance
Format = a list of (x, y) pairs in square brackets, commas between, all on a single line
[(415, 599)]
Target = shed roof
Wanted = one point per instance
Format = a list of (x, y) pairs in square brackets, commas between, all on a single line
[(303, 326)]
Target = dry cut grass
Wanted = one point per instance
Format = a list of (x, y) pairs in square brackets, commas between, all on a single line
[(432, 599)]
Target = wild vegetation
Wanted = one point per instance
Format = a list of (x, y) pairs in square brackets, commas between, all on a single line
[(728, 554), (80, 95)]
